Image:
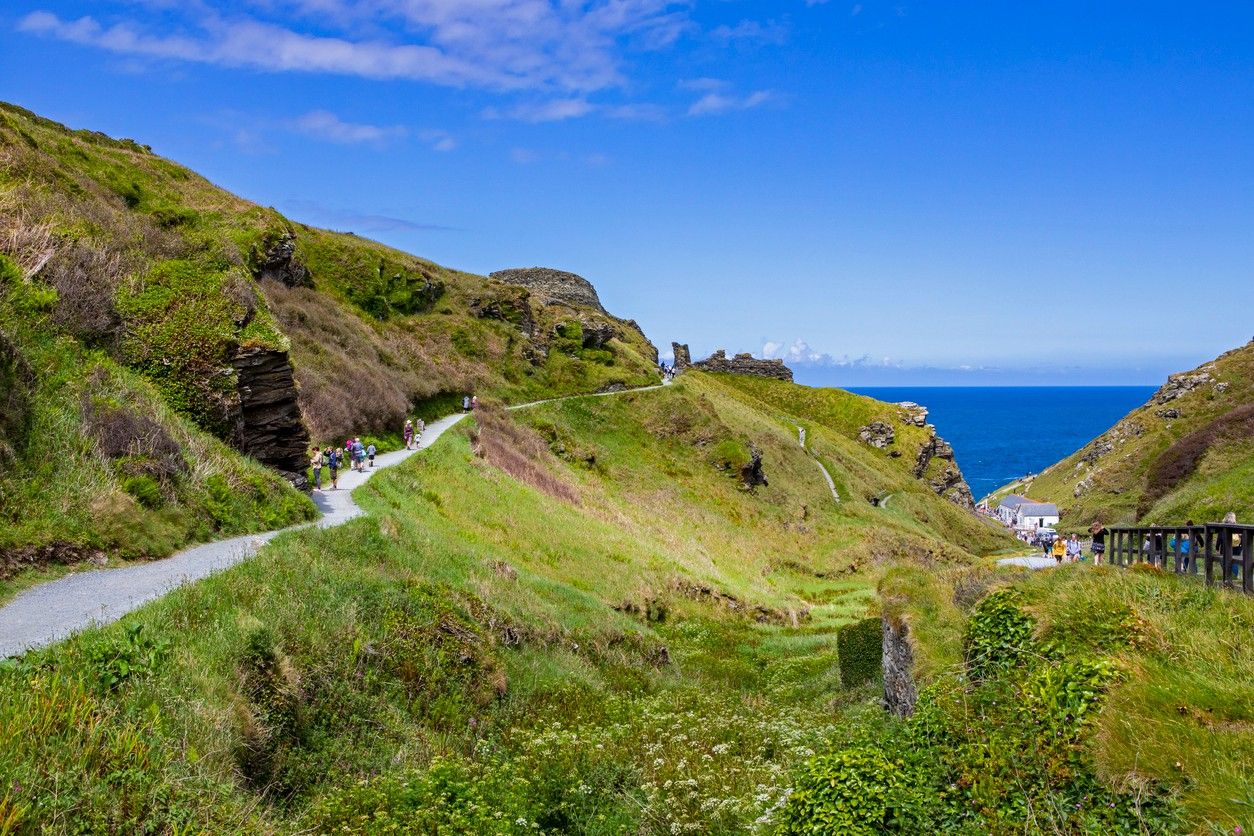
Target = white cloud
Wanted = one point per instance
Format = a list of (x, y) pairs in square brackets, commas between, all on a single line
[(714, 102), (438, 140), (322, 124), (751, 30), (799, 352), (555, 110), (489, 44)]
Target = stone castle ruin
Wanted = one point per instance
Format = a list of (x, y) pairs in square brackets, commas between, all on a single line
[(739, 364)]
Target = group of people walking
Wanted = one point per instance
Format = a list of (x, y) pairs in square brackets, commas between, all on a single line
[(356, 455)]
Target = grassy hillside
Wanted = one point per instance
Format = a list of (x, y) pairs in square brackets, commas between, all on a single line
[(572, 618), (131, 286), (1077, 700), (1186, 454)]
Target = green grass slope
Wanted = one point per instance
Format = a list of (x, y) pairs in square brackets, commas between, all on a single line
[(1075, 700), (1186, 454), (572, 618), (128, 284)]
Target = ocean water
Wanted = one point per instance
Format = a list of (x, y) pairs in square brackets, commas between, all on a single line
[(1000, 433)]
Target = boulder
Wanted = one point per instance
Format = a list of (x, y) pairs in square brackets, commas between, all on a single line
[(553, 286), (878, 434)]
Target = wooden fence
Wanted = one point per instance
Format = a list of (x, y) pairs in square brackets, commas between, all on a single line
[(1219, 551)]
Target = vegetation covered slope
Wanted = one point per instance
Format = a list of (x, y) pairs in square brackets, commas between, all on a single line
[(577, 617), (132, 291), (1186, 454), (1077, 700)]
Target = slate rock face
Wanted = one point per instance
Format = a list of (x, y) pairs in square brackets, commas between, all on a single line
[(269, 427), (948, 481), (900, 691), (279, 263), (553, 286), (1179, 385)]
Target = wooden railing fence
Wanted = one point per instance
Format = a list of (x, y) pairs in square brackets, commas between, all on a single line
[(1218, 551)]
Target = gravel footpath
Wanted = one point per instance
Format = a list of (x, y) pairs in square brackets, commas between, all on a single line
[(56, 610)]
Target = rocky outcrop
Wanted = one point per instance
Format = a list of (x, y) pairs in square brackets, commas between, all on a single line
[(751, 474), (739, 364), (597, 334), (278, 262), (900, 691), (1169, 414), (514, 309), (16, 380), (269, 426), (1179, 385), (553, 286), (878, 434), (912, 414), (947, 481)]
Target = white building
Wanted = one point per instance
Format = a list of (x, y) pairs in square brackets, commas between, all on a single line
[(1036, 515), (1008, 508)]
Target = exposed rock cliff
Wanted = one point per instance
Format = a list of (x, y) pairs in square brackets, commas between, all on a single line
[(739, 364), (269, 426), (936, 464)]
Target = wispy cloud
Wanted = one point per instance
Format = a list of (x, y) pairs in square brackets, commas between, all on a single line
[(554, 110), (498, 45), (348, 220), (715, 102), (322, 124), (770, 32), (438, 140)]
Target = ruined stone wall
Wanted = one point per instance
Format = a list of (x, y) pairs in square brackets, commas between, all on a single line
[(739, 364), (900, 691), (553, 285)]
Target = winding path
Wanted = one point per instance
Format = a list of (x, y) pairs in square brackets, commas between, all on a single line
[(801, 439), (58, 609)]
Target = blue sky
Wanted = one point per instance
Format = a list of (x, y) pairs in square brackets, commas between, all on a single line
[(893, 193)]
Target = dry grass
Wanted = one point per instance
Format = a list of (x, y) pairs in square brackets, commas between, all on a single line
[(518, 450)]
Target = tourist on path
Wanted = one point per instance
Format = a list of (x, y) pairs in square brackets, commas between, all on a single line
[(333, 464), (1045, 543), (315, 462), (474, 402), (1230, 518), (359, 455), (422, 428), (1073, 548), (1182, 546), (1059, 550), (370, 451), (1099, 541), (409, 434), (465, 403)]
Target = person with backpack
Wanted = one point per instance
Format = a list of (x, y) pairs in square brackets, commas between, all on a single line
[(370, 451), (332, 458), (1099, 541), (1073, 548), (315, 462), (359, 455), (408, 433)]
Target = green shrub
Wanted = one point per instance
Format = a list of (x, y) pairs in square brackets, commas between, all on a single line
[(855, 791), (145, 489), (998, 634), (131, 655), (861, 649)]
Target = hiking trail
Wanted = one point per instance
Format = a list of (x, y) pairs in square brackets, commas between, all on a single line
[(801, 439), (56, 610)]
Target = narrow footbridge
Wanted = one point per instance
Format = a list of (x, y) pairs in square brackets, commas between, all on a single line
[(1218, 551)]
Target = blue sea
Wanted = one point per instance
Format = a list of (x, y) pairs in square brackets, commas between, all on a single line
[(1000, 433)]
